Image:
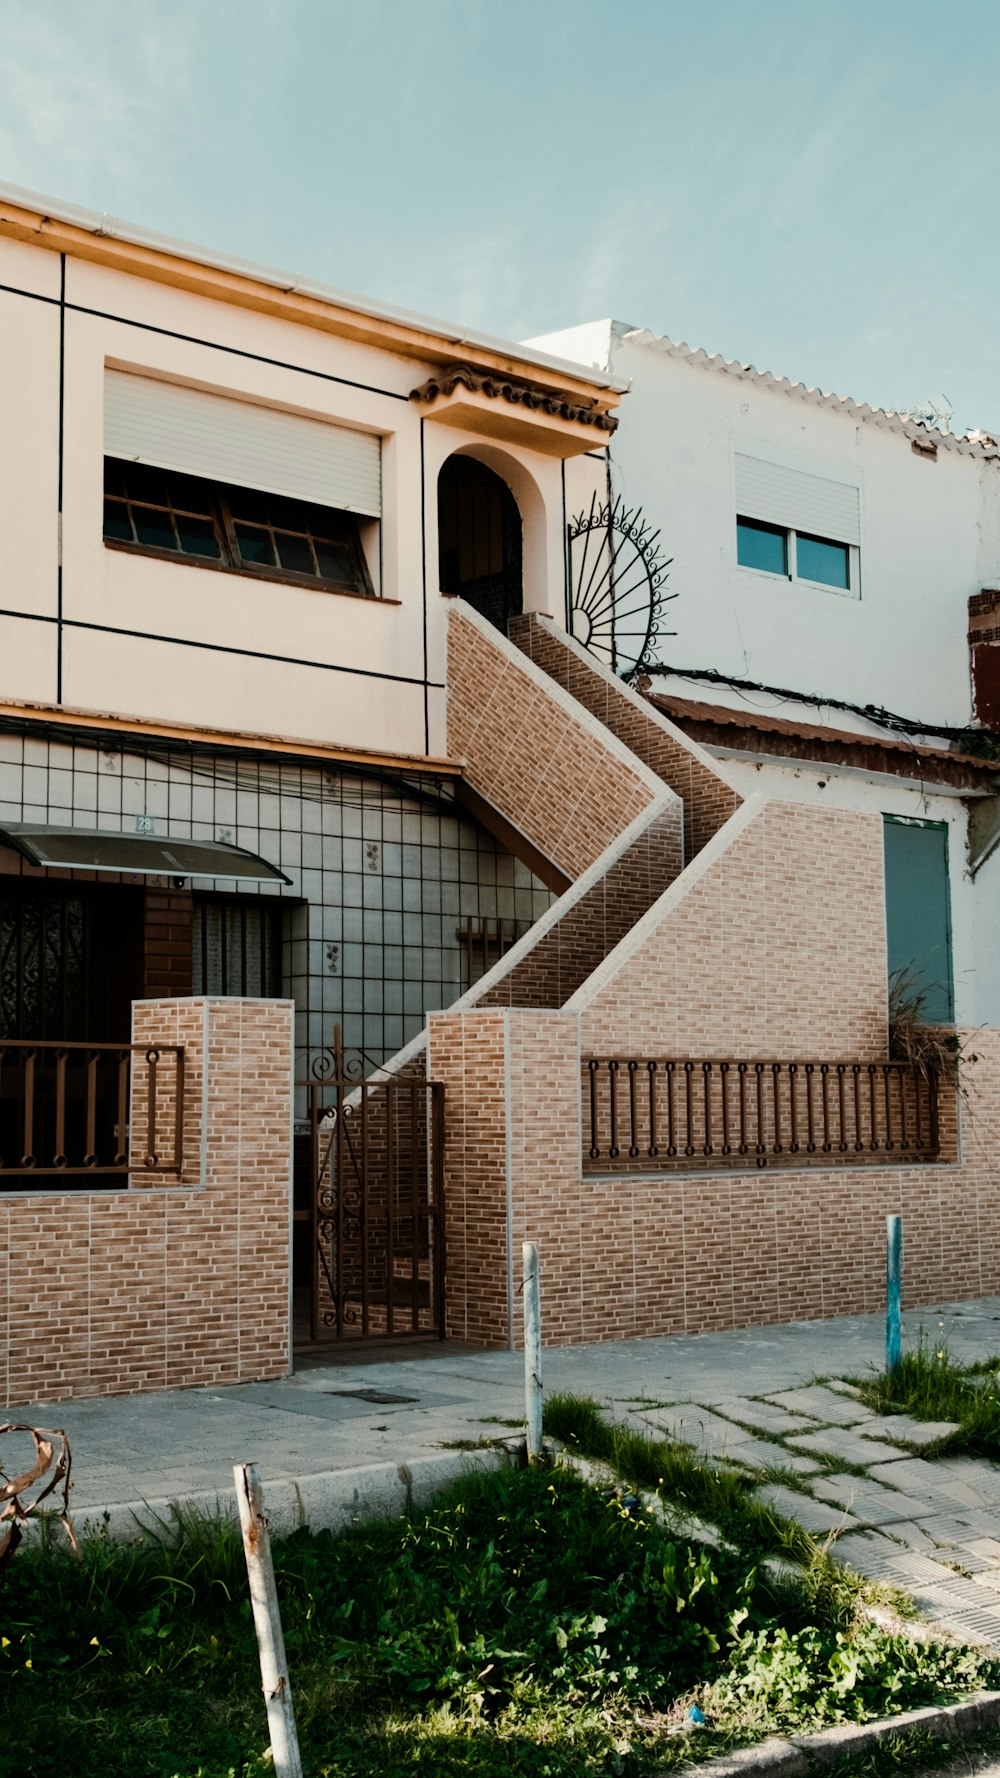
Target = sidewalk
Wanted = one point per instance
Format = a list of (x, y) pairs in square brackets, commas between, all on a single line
[(333, 1442)]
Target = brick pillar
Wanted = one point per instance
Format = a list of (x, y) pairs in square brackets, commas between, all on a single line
[(166, 943), (512, 1169)]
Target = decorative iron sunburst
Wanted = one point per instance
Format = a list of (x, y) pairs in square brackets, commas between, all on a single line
[(617, 577)]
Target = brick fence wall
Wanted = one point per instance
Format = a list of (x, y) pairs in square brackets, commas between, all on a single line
[(171, 1285), (628, 1257)]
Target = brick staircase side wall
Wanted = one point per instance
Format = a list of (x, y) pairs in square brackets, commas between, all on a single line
[(568, 945), (543, 761), (708, 796), (771, 945)]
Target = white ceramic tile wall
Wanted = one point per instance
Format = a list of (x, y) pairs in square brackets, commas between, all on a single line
[(387, 881)]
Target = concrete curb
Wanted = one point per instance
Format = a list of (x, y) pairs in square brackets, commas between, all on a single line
[(802, 1756), (331, 1500)]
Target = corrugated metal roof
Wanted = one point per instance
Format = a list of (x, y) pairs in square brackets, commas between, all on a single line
[(971, 444)]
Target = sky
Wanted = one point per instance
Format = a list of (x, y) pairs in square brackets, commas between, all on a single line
[(814, 188)]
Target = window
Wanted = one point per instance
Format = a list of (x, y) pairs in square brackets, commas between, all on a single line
[(236, 947), (161, 512), (794, 522), (918, 911), (771, 549)]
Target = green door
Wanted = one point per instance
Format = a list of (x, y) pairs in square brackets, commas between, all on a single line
[(918, 910)]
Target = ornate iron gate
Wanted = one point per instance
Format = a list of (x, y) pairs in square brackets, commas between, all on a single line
[(378, 1206)]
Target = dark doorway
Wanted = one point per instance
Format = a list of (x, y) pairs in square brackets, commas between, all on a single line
[(71, 963), (479, 540), (70, 960)]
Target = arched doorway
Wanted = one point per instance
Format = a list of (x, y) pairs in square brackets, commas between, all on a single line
[(479, 540)]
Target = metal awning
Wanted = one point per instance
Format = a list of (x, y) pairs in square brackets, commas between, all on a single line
[(136, 854)]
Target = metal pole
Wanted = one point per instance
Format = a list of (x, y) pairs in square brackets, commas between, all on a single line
[(267, 1623), (893, 1291), (532, 1351)]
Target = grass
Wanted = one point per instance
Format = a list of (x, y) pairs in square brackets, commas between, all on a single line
[(929, 1385), (527, 1623)]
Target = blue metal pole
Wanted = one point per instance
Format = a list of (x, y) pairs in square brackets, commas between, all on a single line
[(893, 1292)]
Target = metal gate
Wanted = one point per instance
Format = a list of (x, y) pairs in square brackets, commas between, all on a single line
[(378, 1206)]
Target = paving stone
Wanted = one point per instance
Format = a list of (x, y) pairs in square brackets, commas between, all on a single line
[(826, 1405), (698, 1427), (914, 1536), (841, 1388), (868, 1501), (760, 1453), (985, 1546), (812, 1515), (868, 1552), (989, 1579), (953, 1529), (844, 1442), (763, 1416), (895, 1427), (931, 1481)]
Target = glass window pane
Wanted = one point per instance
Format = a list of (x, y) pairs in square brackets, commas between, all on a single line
[(255, 546), (335, 563), (154, 529), (817, 559), (295, 553), (197, 537), (761, 546), (116, 521)]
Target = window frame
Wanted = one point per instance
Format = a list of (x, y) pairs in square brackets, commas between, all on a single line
[(791, 535), (229, 561)]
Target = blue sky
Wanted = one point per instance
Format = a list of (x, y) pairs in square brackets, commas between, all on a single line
[(814, 187)]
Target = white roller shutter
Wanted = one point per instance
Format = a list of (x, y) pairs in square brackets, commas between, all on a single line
[(802, 502), (147, 421)]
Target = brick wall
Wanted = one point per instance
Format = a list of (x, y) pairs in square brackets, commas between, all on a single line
[(772, 943), (708, 796), (631, 1257), (109, 1292), (566, 945), (167, 958), (567, 784)]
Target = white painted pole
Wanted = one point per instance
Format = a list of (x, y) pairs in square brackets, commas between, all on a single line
[(267, 1623), (532, 1351)]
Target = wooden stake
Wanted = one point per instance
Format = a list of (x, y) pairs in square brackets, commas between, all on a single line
[(532, 1351), (267, 1623)]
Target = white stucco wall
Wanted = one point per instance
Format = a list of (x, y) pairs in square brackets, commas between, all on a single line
[(930, 536)]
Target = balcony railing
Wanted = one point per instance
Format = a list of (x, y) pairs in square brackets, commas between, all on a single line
[(65, 1109), (646, 1114)]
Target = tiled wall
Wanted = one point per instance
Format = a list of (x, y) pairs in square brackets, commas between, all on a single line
[(634, 1257), (170, 1286), (537, 756), (708, 796), (387, 880)]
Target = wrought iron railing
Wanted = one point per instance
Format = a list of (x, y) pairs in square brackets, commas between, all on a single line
[(65, 1109), (675, 1113)]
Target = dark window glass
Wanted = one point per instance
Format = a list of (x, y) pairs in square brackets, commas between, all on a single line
[(760, 546), (818, 559), (154, 529), (236, 527), (197, 536), (116, 521), (255, 546), (295, 553), (334, 562)]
